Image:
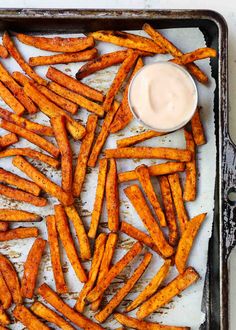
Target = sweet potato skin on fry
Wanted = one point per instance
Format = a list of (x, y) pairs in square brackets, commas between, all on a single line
[(197, 129), (5, 295), (3, 52), (197, 54), (190, 187), (24, 315), (10, 100), (112, 197), (7, 140), (18, 233), (18, 215)]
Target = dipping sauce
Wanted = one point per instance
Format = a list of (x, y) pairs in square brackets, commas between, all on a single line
[(163, 96)]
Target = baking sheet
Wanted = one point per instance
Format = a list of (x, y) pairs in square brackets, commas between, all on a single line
[(183, 310)]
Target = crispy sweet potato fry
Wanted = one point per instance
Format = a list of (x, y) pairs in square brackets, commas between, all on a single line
[(162, 297), (197, 129), (7, 140), (73, 84), (175, 52), (59, 128), (112, 197), (113, 272), (64, 58), (3, 52), (31, 268), (5, 295), (73, 215), (49, 315), (18, 233), (97, 207), (68, 243), (42, 181), (131, 140), (8, 43), (18, 215), (10, 100), (177, 195), (126, 288), (78, 319), (10, 276), (4, 226), (105, 264), (57, 44), (139, 203), (31, 137), (145, 180), (85, 148), (186, 241), (197, 54), (152, 286), (4, 319), (190, 187), (24, 315), (93, 273)]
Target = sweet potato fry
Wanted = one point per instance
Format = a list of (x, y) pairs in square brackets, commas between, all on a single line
[(7, 140), (85, 148), (49, 315), (126, 288), (18, 215), (57, 44), (24, 315), (131, 140), (197, 54), (97, 207), (145, 180), (21, 78), (8, 43), (10, 276), (162, 297), (55, 255), (27, 152), (64, 58), (186, 241), (78, 319), (10, 100), (18, 233), (139, 203), (3, 52), (4, 226), (197, 129), (152, 286), (3, 328), (113, 272), (31, 268), (5, 295), (59, 128), (177, 195), (42, 181), (31, 137), (93, 273), (4, 319), (102, 136), (190, 187), (73, 84), (73, 215), (175, 52), (17, 181), (105, 264), (68, 243), (51, 110), (112, 197)]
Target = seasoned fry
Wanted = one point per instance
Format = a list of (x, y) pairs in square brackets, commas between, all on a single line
[(42, 181), (145, 180), (102, 136), (21, 183), (112, 197), (64, 58), (197, 54), (105, 264), (24, 315), (4, 319), (55, 255), (190, 187), (59, 128), (10, 100), (152, 286), (57, 44), (139, 203), (177, 195), (85, 148), (8, 43), (22, 196), (18, 233), (197, 129), (175, 52), (186, 242), (127, 287), (31, 268), (93, 273), (131, 140), (162, 297), (18, 215), (3, 52), (113, 272), (7, 140), (49, 315), (5, 295), (73, 215), (78, 319), (4, 226), (10, 276), (97, 207), (68, 243), (31, 137), (73, 84)]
